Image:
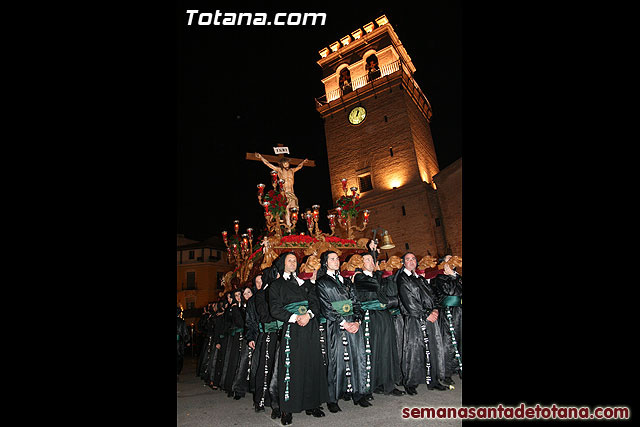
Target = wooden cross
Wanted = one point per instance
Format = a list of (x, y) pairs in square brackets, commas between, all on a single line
[(279, 157)]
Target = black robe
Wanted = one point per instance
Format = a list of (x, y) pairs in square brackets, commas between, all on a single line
[(385, 365), (234, 347), (206, 326), (343, 382), (264, 355), (183, 338), (418, 303), (393, 306), (443, 286), (307, 382), (221, 337), (241, 382)]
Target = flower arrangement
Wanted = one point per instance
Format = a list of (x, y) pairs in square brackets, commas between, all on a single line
[(277, 202), (304, 240), (350, 206)]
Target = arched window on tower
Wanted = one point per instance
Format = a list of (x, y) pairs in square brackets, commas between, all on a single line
[(345, 81), (372, 68)]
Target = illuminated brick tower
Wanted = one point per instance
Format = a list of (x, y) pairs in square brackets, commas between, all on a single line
[(376, 121)]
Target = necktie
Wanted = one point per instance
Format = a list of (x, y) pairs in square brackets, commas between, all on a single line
[(293, 278)]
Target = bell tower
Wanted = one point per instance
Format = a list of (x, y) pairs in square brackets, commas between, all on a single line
[(378, 137)]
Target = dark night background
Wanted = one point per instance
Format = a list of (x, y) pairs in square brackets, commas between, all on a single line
[(248, 88)]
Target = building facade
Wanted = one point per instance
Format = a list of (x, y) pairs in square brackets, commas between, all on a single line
[(200, 268), (378, 137)]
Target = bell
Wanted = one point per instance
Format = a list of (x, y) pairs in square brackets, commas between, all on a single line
[(387, 243)]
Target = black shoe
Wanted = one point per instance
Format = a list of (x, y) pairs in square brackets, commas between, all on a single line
[(259, 408), (369, 397), (448, 381), (347, 396), (362, 402), (460, 375), (378, 391), (397, 392), (437, 386), (411, 390), (315, 412), (229, 394), (333, 407), (275, 413), (286, 418)]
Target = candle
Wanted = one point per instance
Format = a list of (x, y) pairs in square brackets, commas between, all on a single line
[(344, 184), (353, 190), (274, 176), (260, 189), (250, 233), (236, 225), (309, 218), (281, 182), (332, 220), (294, 214), (366, 215), (224, 237), (316, 211)]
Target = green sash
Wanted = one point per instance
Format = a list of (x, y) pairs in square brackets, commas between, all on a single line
[(234, 331), (343, 307), (322, 319), (274, 326), (373, 305), (451, 301), (300, 307), (178, 337), (394, 311)]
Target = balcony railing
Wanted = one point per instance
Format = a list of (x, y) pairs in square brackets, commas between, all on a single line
[(358, 82)]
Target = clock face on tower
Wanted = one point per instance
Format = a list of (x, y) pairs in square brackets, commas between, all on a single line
[(357, 115)]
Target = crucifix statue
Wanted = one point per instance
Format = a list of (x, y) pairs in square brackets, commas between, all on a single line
[(285, 173)]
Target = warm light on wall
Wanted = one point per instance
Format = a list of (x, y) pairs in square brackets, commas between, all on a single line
[(382, 20), (357, 34), (368, 27), (345, 40), (324, 52), (395, 182), (334, 46)]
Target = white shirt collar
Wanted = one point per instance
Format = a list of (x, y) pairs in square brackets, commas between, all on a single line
[(410, 273), (287, 275), (332, 273), (368, 273)]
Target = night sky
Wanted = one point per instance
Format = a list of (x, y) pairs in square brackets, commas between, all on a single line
[(248, 88)]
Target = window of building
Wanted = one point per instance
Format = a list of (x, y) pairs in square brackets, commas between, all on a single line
[(365, 183), (191, 279), (191, 303), (437, 222), (192, 254), (404, 211), (406, 246), (390, 149)]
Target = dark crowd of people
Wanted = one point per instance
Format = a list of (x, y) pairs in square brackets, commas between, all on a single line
[(295, 344)]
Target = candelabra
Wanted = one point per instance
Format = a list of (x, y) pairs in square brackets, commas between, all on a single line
[(347, 210), (239, 250), (312, 215)]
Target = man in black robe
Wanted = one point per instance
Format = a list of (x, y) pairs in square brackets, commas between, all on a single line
[(301, 382), (381, 342), (420, 363), (184, 338), (240, 384), (205, 353), (448, 292), (266, 344), (347, 371)]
